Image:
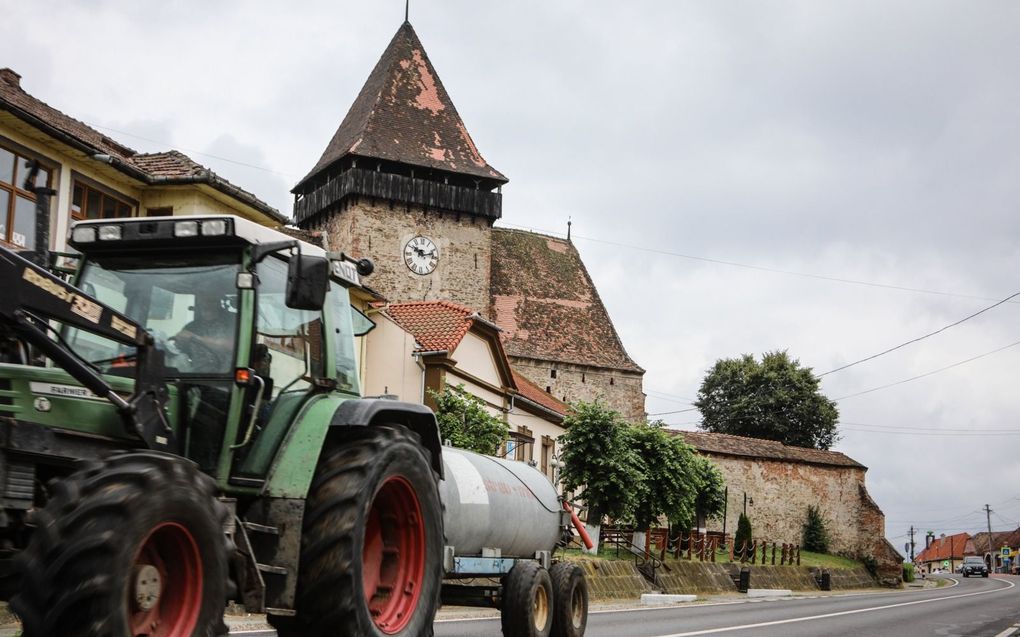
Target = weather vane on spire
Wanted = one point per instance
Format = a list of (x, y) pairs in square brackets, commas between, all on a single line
[(407, 10)]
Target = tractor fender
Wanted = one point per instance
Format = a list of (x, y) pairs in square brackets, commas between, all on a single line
[(366, 412)]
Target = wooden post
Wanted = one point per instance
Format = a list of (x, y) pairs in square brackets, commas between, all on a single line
[(764, 552), (782, 560), (690, 545), (754, 552), (715, 547), (730, 544), (773, 554), (798, 555)]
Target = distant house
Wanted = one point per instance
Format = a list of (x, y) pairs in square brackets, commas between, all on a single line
[(420, 346), (96, 177), (945, 552), (775, 483), (991, 545)]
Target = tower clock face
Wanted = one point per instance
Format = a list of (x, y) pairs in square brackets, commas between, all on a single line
[(421, 255)]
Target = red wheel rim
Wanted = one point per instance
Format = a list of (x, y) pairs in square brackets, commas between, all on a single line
[(164, 596), (393, 557)]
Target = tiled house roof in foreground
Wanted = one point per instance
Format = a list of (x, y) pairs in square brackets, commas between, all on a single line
[(166, 168), (535, 394), (726, 445), (438, 326), (404, 114), (547, 306), (944, 548)]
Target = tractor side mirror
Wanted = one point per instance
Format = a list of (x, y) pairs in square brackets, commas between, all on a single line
[(307, 281)]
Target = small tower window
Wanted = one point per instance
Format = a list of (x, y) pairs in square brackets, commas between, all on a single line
[(582, 377), (612, 381), (552, 373), (548, 389)]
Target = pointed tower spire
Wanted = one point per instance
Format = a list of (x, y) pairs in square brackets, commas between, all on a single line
[(403, 123)]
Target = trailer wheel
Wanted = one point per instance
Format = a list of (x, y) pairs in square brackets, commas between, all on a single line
[(570, 600), (528, 601), (129, 546), (371, 555)]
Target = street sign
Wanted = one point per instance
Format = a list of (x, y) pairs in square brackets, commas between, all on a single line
[(906, 547), (945, 563), (1006, 551)]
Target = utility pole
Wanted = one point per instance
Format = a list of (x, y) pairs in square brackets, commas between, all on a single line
[(911, 543), (991, 557)]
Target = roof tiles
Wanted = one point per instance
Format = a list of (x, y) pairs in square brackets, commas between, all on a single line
[(725, 444), (164, 167), (547, 305), (944, 548), (535, 394), (437, 326)]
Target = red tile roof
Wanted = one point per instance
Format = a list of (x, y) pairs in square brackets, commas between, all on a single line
[(437, 326), (547, 305), (404, 114), (167, 168), (535, 394), (727, 445), (944, 548)]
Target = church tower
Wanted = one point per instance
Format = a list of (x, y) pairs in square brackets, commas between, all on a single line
[(402, 183)]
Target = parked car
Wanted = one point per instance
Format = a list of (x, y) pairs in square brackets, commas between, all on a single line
[(974, 565)]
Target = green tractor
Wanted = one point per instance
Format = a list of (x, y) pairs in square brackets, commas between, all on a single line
[(183, 426)]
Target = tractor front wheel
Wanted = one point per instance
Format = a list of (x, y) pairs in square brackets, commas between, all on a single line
[(132, 546), (371, 554)]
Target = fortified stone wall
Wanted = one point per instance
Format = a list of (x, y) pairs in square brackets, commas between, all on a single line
[(378, 231), (781, 492), (619, 389)]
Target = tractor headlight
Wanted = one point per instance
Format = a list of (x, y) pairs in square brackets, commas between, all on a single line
[(186, 229), (109, 233), (83, 234), (214, 227)]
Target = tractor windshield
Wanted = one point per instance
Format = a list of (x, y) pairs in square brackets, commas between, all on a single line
[(188, 303)]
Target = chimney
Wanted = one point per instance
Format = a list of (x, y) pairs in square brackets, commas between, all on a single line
[(8, 76)]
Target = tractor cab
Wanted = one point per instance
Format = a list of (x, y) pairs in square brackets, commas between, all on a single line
[(249, 323)]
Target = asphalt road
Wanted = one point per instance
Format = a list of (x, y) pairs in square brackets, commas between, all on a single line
[(969, 608)]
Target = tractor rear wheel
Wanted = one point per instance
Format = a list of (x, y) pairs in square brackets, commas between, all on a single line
[(371, 554), (527, 601), (131, 546), (570, 600)]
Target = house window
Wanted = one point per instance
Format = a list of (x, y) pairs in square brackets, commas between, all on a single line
[(90, 202), (17, 206), (548, 444)]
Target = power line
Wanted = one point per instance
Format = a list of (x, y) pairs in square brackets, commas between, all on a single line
[(192, 150), (758, 267), (679, 411), (926, 374), (949, 429), (931, 433), (921, 338)]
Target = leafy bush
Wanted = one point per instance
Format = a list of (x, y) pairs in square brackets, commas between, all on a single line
[(908, 572), (742, 541), (815, 537), (465, 422)]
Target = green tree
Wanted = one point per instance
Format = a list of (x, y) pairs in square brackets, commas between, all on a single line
[(465, 422), (598, 461), (670, 475), (815, 536), (742, 540), (710, 501), (775, 399)]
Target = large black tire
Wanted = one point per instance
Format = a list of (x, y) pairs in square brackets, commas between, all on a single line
[(372, 545), (527, 601), (129, 546), (570, 600)]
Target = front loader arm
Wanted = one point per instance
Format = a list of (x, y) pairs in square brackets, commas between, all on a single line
[(33, 296)]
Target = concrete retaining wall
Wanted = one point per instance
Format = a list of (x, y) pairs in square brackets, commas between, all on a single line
[(620, 579), (614, 579)]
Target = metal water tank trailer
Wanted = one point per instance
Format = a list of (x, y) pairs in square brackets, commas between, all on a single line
[(500, 504)]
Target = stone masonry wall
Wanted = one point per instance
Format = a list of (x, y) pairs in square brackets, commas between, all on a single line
[(378, 231), (781, 492), (620, 390)]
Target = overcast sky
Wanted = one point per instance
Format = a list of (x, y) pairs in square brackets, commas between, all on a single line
[(872, 142)]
